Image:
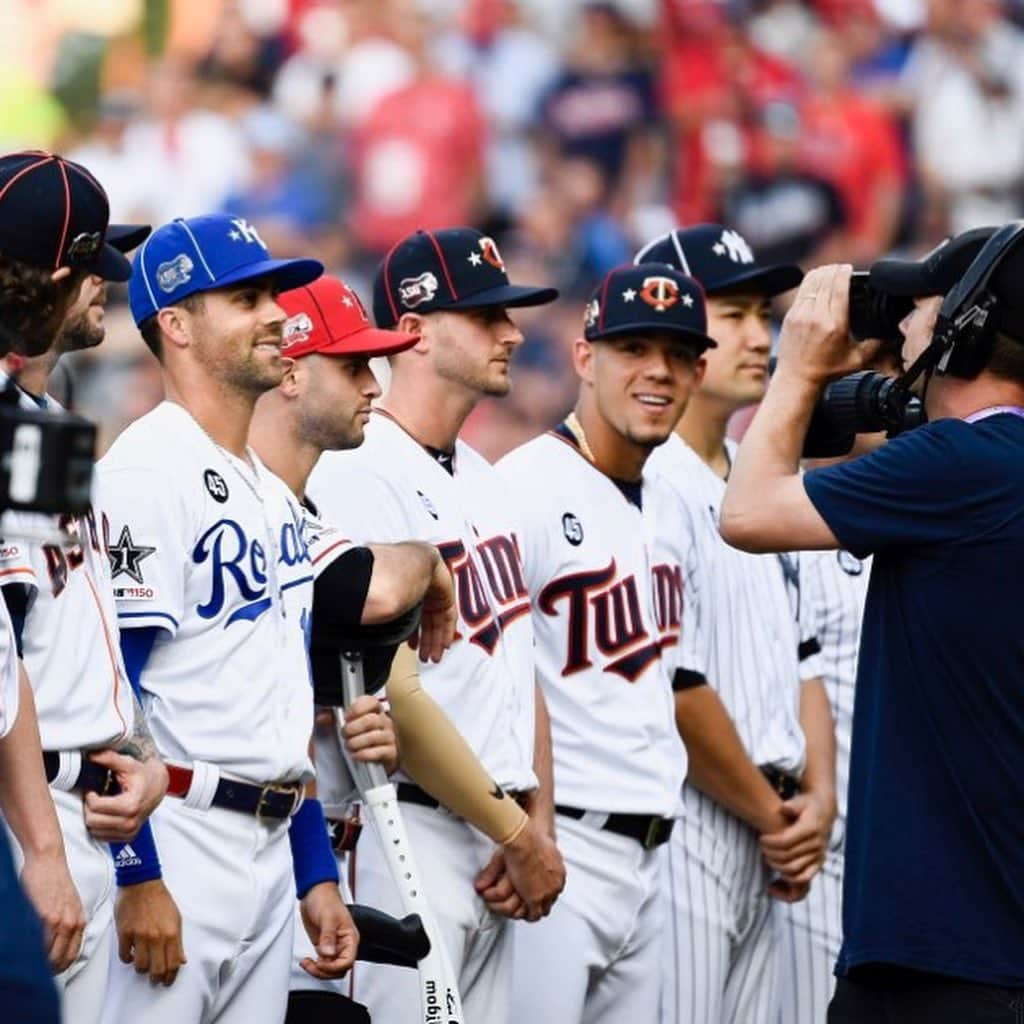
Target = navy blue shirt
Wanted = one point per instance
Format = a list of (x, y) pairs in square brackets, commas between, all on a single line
[(935, 836)]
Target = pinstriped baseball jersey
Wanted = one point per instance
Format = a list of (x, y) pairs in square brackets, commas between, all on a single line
[(392, 489), (210, 548), (592, 567), (83, 701)]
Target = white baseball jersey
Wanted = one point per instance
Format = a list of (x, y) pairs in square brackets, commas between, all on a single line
[(83, 701), (589, 556), (8, 673), (753, 645), (210, 549), (392, 489)]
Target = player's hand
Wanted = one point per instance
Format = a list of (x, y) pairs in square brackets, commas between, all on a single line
[(798, 850), (149, 930), (331, 930), (117, 819), (788, 892), (495, 887), (439, 615), (47, 883), (370, 735), (815, 338), (535, 868)]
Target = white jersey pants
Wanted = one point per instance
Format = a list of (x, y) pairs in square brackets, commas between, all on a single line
[(720, 964), (449, 854), (83, 985), (231, 877), (809, 936), (596, 958)]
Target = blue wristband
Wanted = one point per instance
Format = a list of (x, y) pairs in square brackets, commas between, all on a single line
[(312, 857), (136, 861)]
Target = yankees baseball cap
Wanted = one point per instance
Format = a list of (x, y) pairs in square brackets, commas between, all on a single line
[(721, 259), (200, 254), (54, 213), (457, 268), (934, 274), (648, 298), (327, 317)]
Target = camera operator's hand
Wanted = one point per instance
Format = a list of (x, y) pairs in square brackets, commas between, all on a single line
[(815, 342)]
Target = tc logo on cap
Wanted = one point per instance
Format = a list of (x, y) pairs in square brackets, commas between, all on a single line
[(660, 292)]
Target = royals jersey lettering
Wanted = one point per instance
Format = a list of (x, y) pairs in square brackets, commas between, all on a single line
[(211, 549), (606, 603), (391, 489)]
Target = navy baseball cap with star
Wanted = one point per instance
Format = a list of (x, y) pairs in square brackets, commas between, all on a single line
[(646, 299), (452, 269), (721, 259), (200, 254), (54, 213)]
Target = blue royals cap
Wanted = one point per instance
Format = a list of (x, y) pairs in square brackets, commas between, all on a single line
[(721, 259), (648, 298), (200, 254)]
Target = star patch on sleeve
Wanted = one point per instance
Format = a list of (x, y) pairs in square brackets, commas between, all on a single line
[(126, 555)]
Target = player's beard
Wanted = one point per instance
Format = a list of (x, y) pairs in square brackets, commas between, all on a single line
[(79, 333), (236, 364)]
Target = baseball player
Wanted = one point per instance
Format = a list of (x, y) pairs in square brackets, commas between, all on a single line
[(603, 565), (412, 479), (759, 797), (811, 931), (97, 751), (214, 591)]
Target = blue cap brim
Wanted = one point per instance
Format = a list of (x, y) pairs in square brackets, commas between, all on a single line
[(511, 295), (286, 274)]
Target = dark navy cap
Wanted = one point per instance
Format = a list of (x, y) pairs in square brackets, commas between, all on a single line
[(721, 259), (54, 213), (457, 268), (125, 237), (934, 274), (204, 253), (648, 298)]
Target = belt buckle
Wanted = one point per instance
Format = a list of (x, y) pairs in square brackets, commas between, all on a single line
[(277, 787), (109, 782), (653, 833)]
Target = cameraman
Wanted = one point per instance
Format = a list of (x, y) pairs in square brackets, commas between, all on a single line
[(934, 890)]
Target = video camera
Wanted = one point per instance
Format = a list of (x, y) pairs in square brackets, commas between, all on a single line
[(46, 458)]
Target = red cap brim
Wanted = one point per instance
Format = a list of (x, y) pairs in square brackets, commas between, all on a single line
[(368, 343)]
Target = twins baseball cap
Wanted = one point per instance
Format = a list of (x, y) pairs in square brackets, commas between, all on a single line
[(457, 268), (721, 259), (934, 274), (327, 317), (54, 213), (200, 254), (646, 298)]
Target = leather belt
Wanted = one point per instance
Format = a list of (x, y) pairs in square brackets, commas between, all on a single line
[(649, 830), (344, 833), (273, 800), (783, 783), (92, 777)]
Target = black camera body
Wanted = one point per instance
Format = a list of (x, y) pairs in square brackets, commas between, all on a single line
[(46, 458), (874, 313)]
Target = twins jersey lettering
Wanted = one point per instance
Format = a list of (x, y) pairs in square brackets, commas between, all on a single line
[(391, 489), (600, 633), (84, 701), (212, 550)]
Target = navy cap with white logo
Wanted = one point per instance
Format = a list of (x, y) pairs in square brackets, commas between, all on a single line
[(203, 253), (54, 213), (721, 259), (457, 268), (644, 299)]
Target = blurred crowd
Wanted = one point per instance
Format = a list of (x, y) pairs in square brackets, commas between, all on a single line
[(570, 131)]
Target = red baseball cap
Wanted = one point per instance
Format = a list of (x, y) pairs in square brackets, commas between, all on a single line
[(328, 317)]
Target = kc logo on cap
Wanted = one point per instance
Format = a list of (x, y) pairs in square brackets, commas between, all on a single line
[(648, 298), (453, 269)]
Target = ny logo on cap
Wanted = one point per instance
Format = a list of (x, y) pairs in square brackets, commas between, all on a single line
[(733, 243), (660, 292), (244, 230)]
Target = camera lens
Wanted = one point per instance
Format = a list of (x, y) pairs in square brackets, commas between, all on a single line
[(875, 314)]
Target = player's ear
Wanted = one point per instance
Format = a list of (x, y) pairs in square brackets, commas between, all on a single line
[(412, 323), (698, 370), (174, 326), (583, 359), (290, 381), (60, 274)]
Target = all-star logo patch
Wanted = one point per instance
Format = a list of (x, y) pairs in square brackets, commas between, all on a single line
[(215, 485), (414, 291), (174, 273), (126, 556), (573, 529), (296, 328), (84, 247)]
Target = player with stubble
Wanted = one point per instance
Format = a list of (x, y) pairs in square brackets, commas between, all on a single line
[(413, 479), (213, 604), (759, 800)]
